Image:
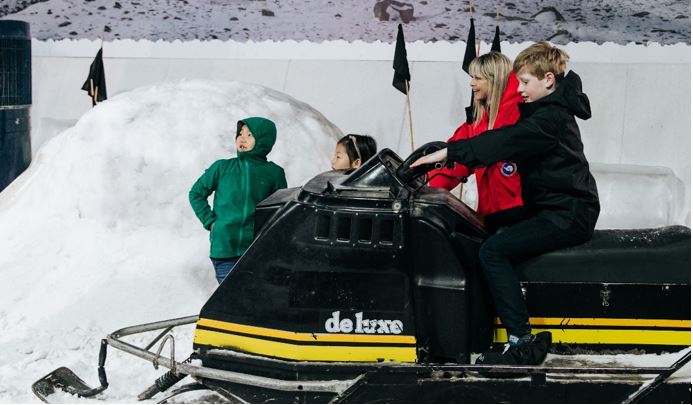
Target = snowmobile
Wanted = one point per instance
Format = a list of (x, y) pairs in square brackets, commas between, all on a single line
[(364, 286)]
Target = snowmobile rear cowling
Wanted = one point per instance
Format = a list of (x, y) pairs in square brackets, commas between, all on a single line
[(364, 267)]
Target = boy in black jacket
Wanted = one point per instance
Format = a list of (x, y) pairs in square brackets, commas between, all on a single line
[(558, 190)]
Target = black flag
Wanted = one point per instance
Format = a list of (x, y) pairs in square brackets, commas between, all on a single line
[(400, 63), (495, 46), (469, 55), (95, 85), (470, 52)]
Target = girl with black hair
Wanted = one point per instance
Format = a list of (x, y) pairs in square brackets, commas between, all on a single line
[(352, 151)]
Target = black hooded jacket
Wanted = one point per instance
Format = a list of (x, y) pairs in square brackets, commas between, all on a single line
[(546, 145)]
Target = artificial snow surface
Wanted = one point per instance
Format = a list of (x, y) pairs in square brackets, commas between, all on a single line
[(98, 234)]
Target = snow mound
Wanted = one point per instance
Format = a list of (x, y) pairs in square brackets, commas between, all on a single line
[(98, 233), (649, 196)]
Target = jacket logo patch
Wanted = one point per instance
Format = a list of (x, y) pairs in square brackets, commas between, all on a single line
[(508, 169)]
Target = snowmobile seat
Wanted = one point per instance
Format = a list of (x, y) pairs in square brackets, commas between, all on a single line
[(618, 256)]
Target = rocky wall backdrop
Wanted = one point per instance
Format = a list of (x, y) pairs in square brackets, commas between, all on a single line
[(560, 21)]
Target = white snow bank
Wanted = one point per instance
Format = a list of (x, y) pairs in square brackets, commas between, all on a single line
[(98, 233), (649, 196), (631, 196)]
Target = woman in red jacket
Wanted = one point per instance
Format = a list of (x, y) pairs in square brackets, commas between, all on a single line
[(495, 105)]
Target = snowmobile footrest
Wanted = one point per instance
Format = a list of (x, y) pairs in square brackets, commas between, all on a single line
[(64, 379), (60, 379)]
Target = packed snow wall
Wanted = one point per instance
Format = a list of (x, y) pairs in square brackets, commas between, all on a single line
[(98, 232), (640, 98)]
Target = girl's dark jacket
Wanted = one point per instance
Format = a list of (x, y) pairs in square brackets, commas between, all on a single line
[(546, 145)]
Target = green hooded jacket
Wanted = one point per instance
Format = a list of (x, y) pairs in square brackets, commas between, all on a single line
[(238, 184)]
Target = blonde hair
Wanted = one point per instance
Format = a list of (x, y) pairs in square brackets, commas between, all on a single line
[(541, 58), (494, 67)]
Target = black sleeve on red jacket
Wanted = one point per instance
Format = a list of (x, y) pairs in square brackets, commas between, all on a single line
[(529, 138)]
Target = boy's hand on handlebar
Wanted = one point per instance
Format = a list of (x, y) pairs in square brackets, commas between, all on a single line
[(437, 156)]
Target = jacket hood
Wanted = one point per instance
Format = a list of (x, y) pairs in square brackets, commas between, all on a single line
[(510, 97), (569, 94), (265, 134)]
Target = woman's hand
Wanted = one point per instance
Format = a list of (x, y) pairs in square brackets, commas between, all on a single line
[(437, 156)]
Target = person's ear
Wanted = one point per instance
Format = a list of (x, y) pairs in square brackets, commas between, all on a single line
[(550, 80), (356, 163)]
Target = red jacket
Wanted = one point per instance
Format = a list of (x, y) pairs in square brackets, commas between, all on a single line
[(498, 184)]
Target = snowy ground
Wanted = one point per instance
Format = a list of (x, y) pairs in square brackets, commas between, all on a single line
[(99, 230), (98, 233), (101, 235), (561, 21)]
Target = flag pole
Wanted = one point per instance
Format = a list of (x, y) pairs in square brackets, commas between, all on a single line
[(402, 76), (411, 128), (495, 44), (471, 17), (95, 90)]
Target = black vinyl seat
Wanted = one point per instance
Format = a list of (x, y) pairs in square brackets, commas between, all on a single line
[(658, 255)]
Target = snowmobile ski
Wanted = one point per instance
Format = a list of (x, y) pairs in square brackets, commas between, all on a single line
[(64, 379)]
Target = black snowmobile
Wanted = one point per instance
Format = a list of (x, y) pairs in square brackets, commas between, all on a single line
[(364, 287)]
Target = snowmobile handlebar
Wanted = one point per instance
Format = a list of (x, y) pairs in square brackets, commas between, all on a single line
[(407, 174)]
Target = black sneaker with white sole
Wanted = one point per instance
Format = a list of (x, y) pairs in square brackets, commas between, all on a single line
[(531, 353)]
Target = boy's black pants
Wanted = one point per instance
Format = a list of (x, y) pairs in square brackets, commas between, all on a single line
[(511, 245)]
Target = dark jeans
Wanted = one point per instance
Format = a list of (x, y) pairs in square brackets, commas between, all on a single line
[(222, 267), (498, 255)]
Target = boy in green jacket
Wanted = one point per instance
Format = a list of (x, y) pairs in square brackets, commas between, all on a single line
[(238, 184)]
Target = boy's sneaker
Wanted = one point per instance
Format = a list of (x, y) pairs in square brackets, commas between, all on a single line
[(529, 350)]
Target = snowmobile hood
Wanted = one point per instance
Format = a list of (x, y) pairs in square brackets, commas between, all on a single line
[(265, 134), (568, 94)]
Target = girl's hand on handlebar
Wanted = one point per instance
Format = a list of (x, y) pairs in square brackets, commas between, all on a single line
[(437, 156)]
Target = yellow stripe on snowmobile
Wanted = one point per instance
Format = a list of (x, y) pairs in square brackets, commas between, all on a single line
[(306, 337), (291, 351), (653, 323), (608, 336)]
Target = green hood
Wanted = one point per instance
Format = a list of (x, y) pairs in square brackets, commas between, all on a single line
[(265, 134)]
